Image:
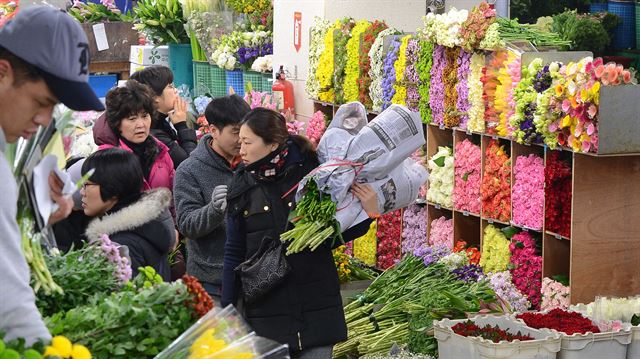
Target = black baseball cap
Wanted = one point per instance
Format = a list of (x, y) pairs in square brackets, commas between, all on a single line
[(54, 42)]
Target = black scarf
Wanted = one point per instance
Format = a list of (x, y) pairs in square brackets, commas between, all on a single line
[(147, 152), (271, 166)]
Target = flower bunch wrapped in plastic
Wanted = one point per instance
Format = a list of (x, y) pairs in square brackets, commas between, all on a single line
[(324, 72), (451, 116), (364, 248), (490, 82), (389, 236), (412, 78), (501, 283), (441, 232), (557, 190), (376, 72), (444, 29), (528, 192), (340, 59), (495, 250), (468, 165), (318, 31), (352, 70), (505, 103), (462, 87), (496, 183), (111, 250), (400, 86), (423, 67), (316, 127), (414, 231), (606, 308), (555, 295), (526, 267), (432, 254), (389, 70), (476, 101), (475, 27), (436, 90), (369, 38), (441, 177)]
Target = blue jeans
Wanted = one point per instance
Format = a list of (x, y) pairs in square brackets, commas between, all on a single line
[(214, 291)]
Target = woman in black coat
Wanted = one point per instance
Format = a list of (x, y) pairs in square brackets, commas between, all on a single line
[(305, 310), (141, 221)]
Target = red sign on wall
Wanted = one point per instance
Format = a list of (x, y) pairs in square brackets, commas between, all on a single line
[(297, 30)]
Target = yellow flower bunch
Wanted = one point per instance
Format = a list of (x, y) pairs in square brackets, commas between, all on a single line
[(476, 111), (495, 251), (324, 73), (341, 260), (209, 346), (504, 94), (364, 248), (400, 97), (62, 348), (352, 70)]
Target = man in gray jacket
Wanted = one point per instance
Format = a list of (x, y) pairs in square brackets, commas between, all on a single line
[(44, 59), (200, 191)]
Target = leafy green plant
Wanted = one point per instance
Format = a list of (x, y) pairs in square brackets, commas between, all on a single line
[(586, 32), (162, 21), (92, 13)]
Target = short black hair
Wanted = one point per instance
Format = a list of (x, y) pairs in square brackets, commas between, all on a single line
[(224, 111), (157, 77), (22, 70), (130, 100), (118, 172)]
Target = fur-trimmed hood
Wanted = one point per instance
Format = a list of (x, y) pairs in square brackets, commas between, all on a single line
[(145, 217)]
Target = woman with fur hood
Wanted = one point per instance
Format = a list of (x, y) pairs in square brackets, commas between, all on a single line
[(141, 221)]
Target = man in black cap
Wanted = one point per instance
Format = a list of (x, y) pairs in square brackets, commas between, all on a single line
[(44, 60)]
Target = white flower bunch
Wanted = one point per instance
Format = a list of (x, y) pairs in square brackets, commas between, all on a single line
[(441, 177), (444, 29), (316, 47), (263, 64)]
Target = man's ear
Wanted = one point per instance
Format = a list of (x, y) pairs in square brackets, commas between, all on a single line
[(6, 73)]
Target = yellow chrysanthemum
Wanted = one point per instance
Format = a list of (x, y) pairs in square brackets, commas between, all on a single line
[(62, 345), (352, 69), (80, 352), (51, 352), (400, 96), (324, 73)]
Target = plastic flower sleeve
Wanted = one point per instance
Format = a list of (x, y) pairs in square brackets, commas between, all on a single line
[(251, 347)]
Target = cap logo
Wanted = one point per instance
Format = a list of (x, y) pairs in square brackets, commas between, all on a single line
[(84, 58)]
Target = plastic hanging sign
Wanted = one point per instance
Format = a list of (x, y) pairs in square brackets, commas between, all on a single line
[(297, 30)]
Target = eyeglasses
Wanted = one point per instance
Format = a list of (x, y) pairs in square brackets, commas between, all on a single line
[(84, 186)]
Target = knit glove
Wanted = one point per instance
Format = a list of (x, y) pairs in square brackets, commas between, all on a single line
[(219, 197)]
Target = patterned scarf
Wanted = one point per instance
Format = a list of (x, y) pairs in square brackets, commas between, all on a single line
[(271, 165)]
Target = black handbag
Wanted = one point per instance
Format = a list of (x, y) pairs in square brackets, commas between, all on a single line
[(267, 268)]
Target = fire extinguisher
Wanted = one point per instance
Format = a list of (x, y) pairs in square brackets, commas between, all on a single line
[(283, 92)]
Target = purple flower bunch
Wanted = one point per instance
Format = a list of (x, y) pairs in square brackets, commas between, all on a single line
[(502, 285), (432, 254), (462, 87), (436, 91), (414, 231), (528, 126), (469, 273), (389, 73), (246, 54), (411, 75), (542, 81), (112, 252)]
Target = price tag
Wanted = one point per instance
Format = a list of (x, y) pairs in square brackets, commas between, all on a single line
[(490, 221), (437, 206), (495, 137), (100, 34), (441, 126), (525, 229), (465, 213), (325, 104), (469, 132), (558, 236)]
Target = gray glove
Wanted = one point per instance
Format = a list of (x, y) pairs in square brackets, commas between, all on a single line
[(219, 197)]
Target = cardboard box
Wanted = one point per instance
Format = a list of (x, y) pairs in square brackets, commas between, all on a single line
[(149, 55)]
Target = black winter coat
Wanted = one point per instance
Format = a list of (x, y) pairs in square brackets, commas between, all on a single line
[(145, 227), (304, 311), (181, 141)]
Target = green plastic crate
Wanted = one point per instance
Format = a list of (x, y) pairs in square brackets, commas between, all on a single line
[(267, 82), (219, 84), (208, 80), (255, 78)]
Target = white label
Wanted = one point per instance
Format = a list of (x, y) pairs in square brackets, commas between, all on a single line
[(278, 96), (101, 37)]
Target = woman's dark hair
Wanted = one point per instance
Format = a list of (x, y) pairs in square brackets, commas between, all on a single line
[(224, 111), (156, 77), (130, 100), (117, 171), (271, 126)]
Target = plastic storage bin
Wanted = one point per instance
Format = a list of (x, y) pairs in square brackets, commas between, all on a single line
[(598, 7), (633, 351), (637, 26), (453, 346), (267, 82), (180, 62), (624, 35), (234, 80), (101, 84)]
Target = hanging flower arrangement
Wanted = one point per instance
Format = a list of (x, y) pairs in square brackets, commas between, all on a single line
[(441, 233), (526, 267), (437, 89), (414, 231), (353, 69), (389, 235), (558, 195), (412, 78), (423, 67), (318, 31), (364, 82), (450, 73), (342, 37), (528, 192), (389, 77), (462, 88), (475, 86), (441, 177), (468, 162), (377, 58), (496, 183), (495, 250), (400, 87)]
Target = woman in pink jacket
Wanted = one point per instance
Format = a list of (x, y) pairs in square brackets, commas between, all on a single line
[(128, 115)]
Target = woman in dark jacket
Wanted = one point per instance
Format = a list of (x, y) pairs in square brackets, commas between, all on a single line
[(170, 124), (139, 220), (305, 310)]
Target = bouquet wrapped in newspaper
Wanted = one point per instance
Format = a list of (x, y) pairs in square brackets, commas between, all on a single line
[(352, 150), (222, 333)]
